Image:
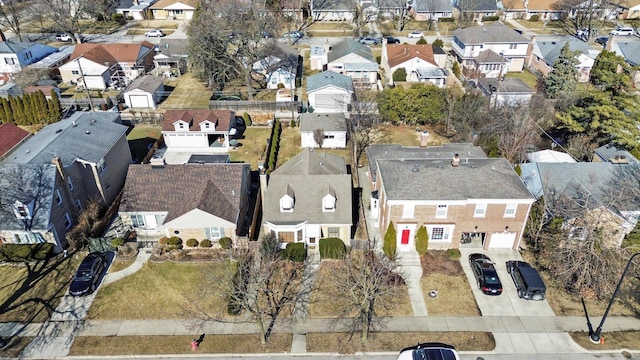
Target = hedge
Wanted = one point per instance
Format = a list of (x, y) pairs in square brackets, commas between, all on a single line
[(206, 243), (295, 252), (192, 242), (25, 252), (225, 243), (446, 19), (453, 253), (331, 248), (490, 18)]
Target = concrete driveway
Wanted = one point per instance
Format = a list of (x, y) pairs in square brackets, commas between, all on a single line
[(507, 304)]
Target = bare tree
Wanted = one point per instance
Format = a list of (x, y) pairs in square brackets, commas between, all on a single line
[(318, 137), (366, 286), (30, 76), (363, 123), (586, 18), (467, 10), (514, 129), (11, 16), (582, 146), (66, 15)]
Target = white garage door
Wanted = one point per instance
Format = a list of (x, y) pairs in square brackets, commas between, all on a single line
[(502, 240), (139, 101), (329, 103)]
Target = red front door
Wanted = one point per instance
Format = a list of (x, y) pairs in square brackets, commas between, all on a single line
[(405, 237)]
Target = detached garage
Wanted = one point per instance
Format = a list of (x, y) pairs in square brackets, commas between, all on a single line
[(144, 92)]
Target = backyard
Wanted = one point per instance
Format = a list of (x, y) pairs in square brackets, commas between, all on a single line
[(141, 138), (186, 92), (252, 147)]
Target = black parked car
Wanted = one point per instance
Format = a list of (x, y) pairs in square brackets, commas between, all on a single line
[(392, 40), (485, 272), (602, 40), (527, 280), (88, 274), (429, 351)]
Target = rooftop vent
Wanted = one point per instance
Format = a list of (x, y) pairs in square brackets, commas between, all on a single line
[(58, 131), (415, 168), (619, 159), (87, 132)]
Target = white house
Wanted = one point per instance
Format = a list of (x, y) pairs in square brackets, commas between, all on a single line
[(323, 130), (137, 9), (330, 92), (17, 55), (350, 57), (509, 91), (144, 92), (174, 9)]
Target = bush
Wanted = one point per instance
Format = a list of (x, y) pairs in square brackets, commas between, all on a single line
[(206, 243), (534, 18), (421, 41), (247, 119), (192, 242), (456, 69), (446, 19), (400, 74), (331, 248), (490, 18), (518, 170), (174, 241), (438, 42), (295, 252), (163, 240), (117, 242), (389, 245), (422, 240), (225, 243), (378, 59), (280, 86), (25, 252), (292, 123), (453, 253)]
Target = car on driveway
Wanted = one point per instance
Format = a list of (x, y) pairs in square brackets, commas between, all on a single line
[(602, 40), (88, 273), (415, 34), (429, 351), (367, 40), (485, 273), (63, 37), (528, 282), (294, 35), (392, 40), (154, 33)]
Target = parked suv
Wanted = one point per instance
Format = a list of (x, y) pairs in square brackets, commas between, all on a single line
[(527, 280), (88, 274), (622, 31)]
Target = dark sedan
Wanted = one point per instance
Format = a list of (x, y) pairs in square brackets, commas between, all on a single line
[(88, 274), (392, 40), (485, 272)]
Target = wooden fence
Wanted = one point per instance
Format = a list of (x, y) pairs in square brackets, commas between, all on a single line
[(241, 106)]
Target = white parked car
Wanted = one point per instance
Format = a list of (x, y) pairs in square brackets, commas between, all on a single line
[(154, 33), (622, 31), (63, 37), (415, 34)]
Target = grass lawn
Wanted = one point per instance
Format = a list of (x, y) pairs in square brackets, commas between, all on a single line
[(289, 144), (528, 77), (252, 148), (188, 93), (30, 293), (118, 264), (141, 138), (178, 344), (383, 341), (408, 136), (612, 340)]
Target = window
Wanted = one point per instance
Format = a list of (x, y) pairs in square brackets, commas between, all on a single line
[(512, 46), (10, 61), (21, 211), (75, 72), (28, 55), (440, 233), (441, 212), (79, 205), (213, 233), (137, 221), (67, 221), (334, 232), (329, 136), (101, 165), (481, 210), (510, 210), (407, 211), (58, 197), (177, 12), (107, 185), (206, 125), (181, 125), (70, 183)]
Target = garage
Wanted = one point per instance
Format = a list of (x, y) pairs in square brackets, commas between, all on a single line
[(144, 92), (502, 240), (327, 101), (139, 101)]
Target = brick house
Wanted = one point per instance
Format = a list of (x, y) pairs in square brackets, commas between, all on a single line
[(455, 191)]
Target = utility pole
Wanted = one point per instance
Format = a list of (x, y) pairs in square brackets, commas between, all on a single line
[(84, 82)]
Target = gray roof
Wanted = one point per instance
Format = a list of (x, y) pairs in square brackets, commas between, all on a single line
[(329, 122), (492, 33), (361, 66), (310, 176), (350, 46), (478, 5), (27, 183), (436, 179), (445, 151), (548, 47), (148, 83), (172, 48), (612, 153), (433, 6), (129, 5), (511, 86), (327, 78), (488, 57), (429, 73), (64, 52), (90, 139), (333, 5), (627, 48)]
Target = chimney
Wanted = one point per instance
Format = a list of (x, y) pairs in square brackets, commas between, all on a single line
[(2, 37), (327, 47), (530, 55), (58, 163), (424, 138), (136, 2), (157, 162), (455, 161)]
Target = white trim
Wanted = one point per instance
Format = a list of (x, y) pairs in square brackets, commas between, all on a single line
[(447, 233), (446, 210), (508, 207), (480, 211)]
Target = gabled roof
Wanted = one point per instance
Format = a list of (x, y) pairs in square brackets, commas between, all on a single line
[(478, 5), (488, 57), (178, 189), (222, 118), (329, 122), (548, 47), (86, 136), (333, 5), (172, 47), (14, 47), (549, 156), (629, 49), (146, 83), (187, 4), (512, 5), (437, 179), (350, 46), (492, 33), (401, 53), (309, 162), (434, 6), (326, 78), (112, 53), (614, 154), (10, 136), (508, 86)]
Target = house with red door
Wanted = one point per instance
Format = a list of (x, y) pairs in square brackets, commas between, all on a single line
[(461, 197)]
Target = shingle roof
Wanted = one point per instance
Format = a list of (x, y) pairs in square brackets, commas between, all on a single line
[(178, 189), (609, 153), (541, 5), (438, 180), (112, 53), (511, 86), (310, 176), (222, 118), (478, 5), (14, 47), (492, 33), (146, 83), (326, 78), (548, 47), (434, 6), (90, 139), (329, 122), (488, 56), (350, 46), (400, 53), (627, 48), (166, 3), (10, 136)]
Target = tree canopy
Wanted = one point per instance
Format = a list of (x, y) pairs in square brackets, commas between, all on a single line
[(564, 76), (418, 105)]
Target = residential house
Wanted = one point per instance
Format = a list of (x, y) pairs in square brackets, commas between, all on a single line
[(512, 9), (171, 57), (11, 137), (189, 132), (329, 92), (430, 10), (629, 9), (613, 154), (47, 90), (308, 198), (281, 67), (489, 50), (544, 9), (474, 10), (338, 10), (17, 55), (508, 91), (546, 51), (144, 92), (135, 9), (318, 56), (174, 9), (11, 89), (458, 194), (350, 57), (107, 65), (629, 48), (89, 155), (591, 186), (53, 61), (323, 130), (422, 63), (189, 201)]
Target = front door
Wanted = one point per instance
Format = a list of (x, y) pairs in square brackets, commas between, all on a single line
[(405, 237)]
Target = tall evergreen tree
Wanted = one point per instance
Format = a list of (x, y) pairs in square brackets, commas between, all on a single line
[(54, 107), (41, 106), (611, 72), (564, 76), (7, 114)]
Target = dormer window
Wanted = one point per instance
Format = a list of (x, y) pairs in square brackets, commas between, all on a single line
[(207, 125), (286, 204), (181, 125), (21, 211), (329, 201)]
